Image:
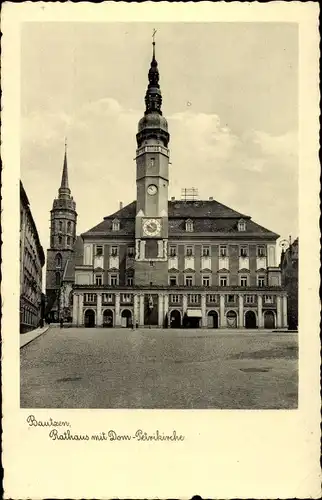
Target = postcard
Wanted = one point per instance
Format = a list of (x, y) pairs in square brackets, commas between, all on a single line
[(160, 226)]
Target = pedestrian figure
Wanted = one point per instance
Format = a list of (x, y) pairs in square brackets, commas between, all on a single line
[(61, 323)]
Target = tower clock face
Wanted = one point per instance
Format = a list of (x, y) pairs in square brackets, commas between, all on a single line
[(152, 189), (152, 227)]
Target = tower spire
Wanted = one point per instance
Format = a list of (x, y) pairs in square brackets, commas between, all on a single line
[(153, 98), (64, 191)]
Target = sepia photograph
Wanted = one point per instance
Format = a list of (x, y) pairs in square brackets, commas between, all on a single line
[(159, 215), (160, 283)]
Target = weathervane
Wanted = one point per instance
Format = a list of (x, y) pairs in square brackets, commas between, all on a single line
[(153, 36)]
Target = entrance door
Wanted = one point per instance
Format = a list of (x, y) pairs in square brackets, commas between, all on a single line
[(175, 319), (89, 318), (213, 319), (250, 319), (108, 318), (193, 322), (231, 319), (269, 320), (127, 317)]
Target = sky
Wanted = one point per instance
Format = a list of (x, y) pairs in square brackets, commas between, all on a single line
[(230, 95)]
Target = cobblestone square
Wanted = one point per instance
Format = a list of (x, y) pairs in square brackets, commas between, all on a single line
[(155, 368)]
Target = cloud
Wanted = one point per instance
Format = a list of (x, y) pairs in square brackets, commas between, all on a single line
[(255, 172)]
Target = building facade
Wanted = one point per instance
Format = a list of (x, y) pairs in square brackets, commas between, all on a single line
[(63, 220), (290, 281), (177, 263), (32, 260)]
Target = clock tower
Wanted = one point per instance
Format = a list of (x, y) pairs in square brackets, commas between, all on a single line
[(152, 181)]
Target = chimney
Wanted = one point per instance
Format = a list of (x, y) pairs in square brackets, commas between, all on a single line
[(121, 205), (211, 198), (172, 198)]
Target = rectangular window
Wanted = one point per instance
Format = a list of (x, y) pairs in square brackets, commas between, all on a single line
[(98, 279), (231, 299), (126, 297), (268, 299), (129, 281), (114, 280), (206, 281), (223, 281), (260, 251), (243, 281), (243, 249), (261, 281), (173, 251), (249, 299), (90, 297), (223, 251), (194, 298), (99, 250), (173, 280), (212, 299), (206, 251), (189, 251), (108, 298), (130, 252), (114, 251), (175, 299), (188, 280)]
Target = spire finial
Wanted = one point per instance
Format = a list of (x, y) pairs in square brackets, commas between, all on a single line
[(153, 42)]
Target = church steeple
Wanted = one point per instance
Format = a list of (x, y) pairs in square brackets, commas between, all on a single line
[(153, 125), (153, 97), (64, 191)]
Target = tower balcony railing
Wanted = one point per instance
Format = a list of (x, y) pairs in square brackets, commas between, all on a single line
[(152, 149)]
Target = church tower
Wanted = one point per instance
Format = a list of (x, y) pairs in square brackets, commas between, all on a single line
[(152, 182), (63, 218)]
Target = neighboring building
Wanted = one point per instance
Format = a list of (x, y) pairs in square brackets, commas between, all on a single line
[(32, 260), (290, 280), (62, 239), (175, 263)]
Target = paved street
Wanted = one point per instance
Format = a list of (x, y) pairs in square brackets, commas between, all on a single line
[(120, 368)]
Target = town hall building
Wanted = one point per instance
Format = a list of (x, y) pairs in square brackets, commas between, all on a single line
[(167, 263)]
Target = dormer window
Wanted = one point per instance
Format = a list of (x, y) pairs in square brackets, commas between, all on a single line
[(115, 225), (189, 225), (241, 225)]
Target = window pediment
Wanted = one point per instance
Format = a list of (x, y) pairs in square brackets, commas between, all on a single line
[(223, 270)]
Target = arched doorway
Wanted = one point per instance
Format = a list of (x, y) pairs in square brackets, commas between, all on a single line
[(108, 318), (213, 319), (269, 320), (175, 319), (89, 318), (231, 319), (250, 320), (126, 318)]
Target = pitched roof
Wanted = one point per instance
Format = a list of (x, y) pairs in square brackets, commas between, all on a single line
[(208, 216), (75, 259)]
